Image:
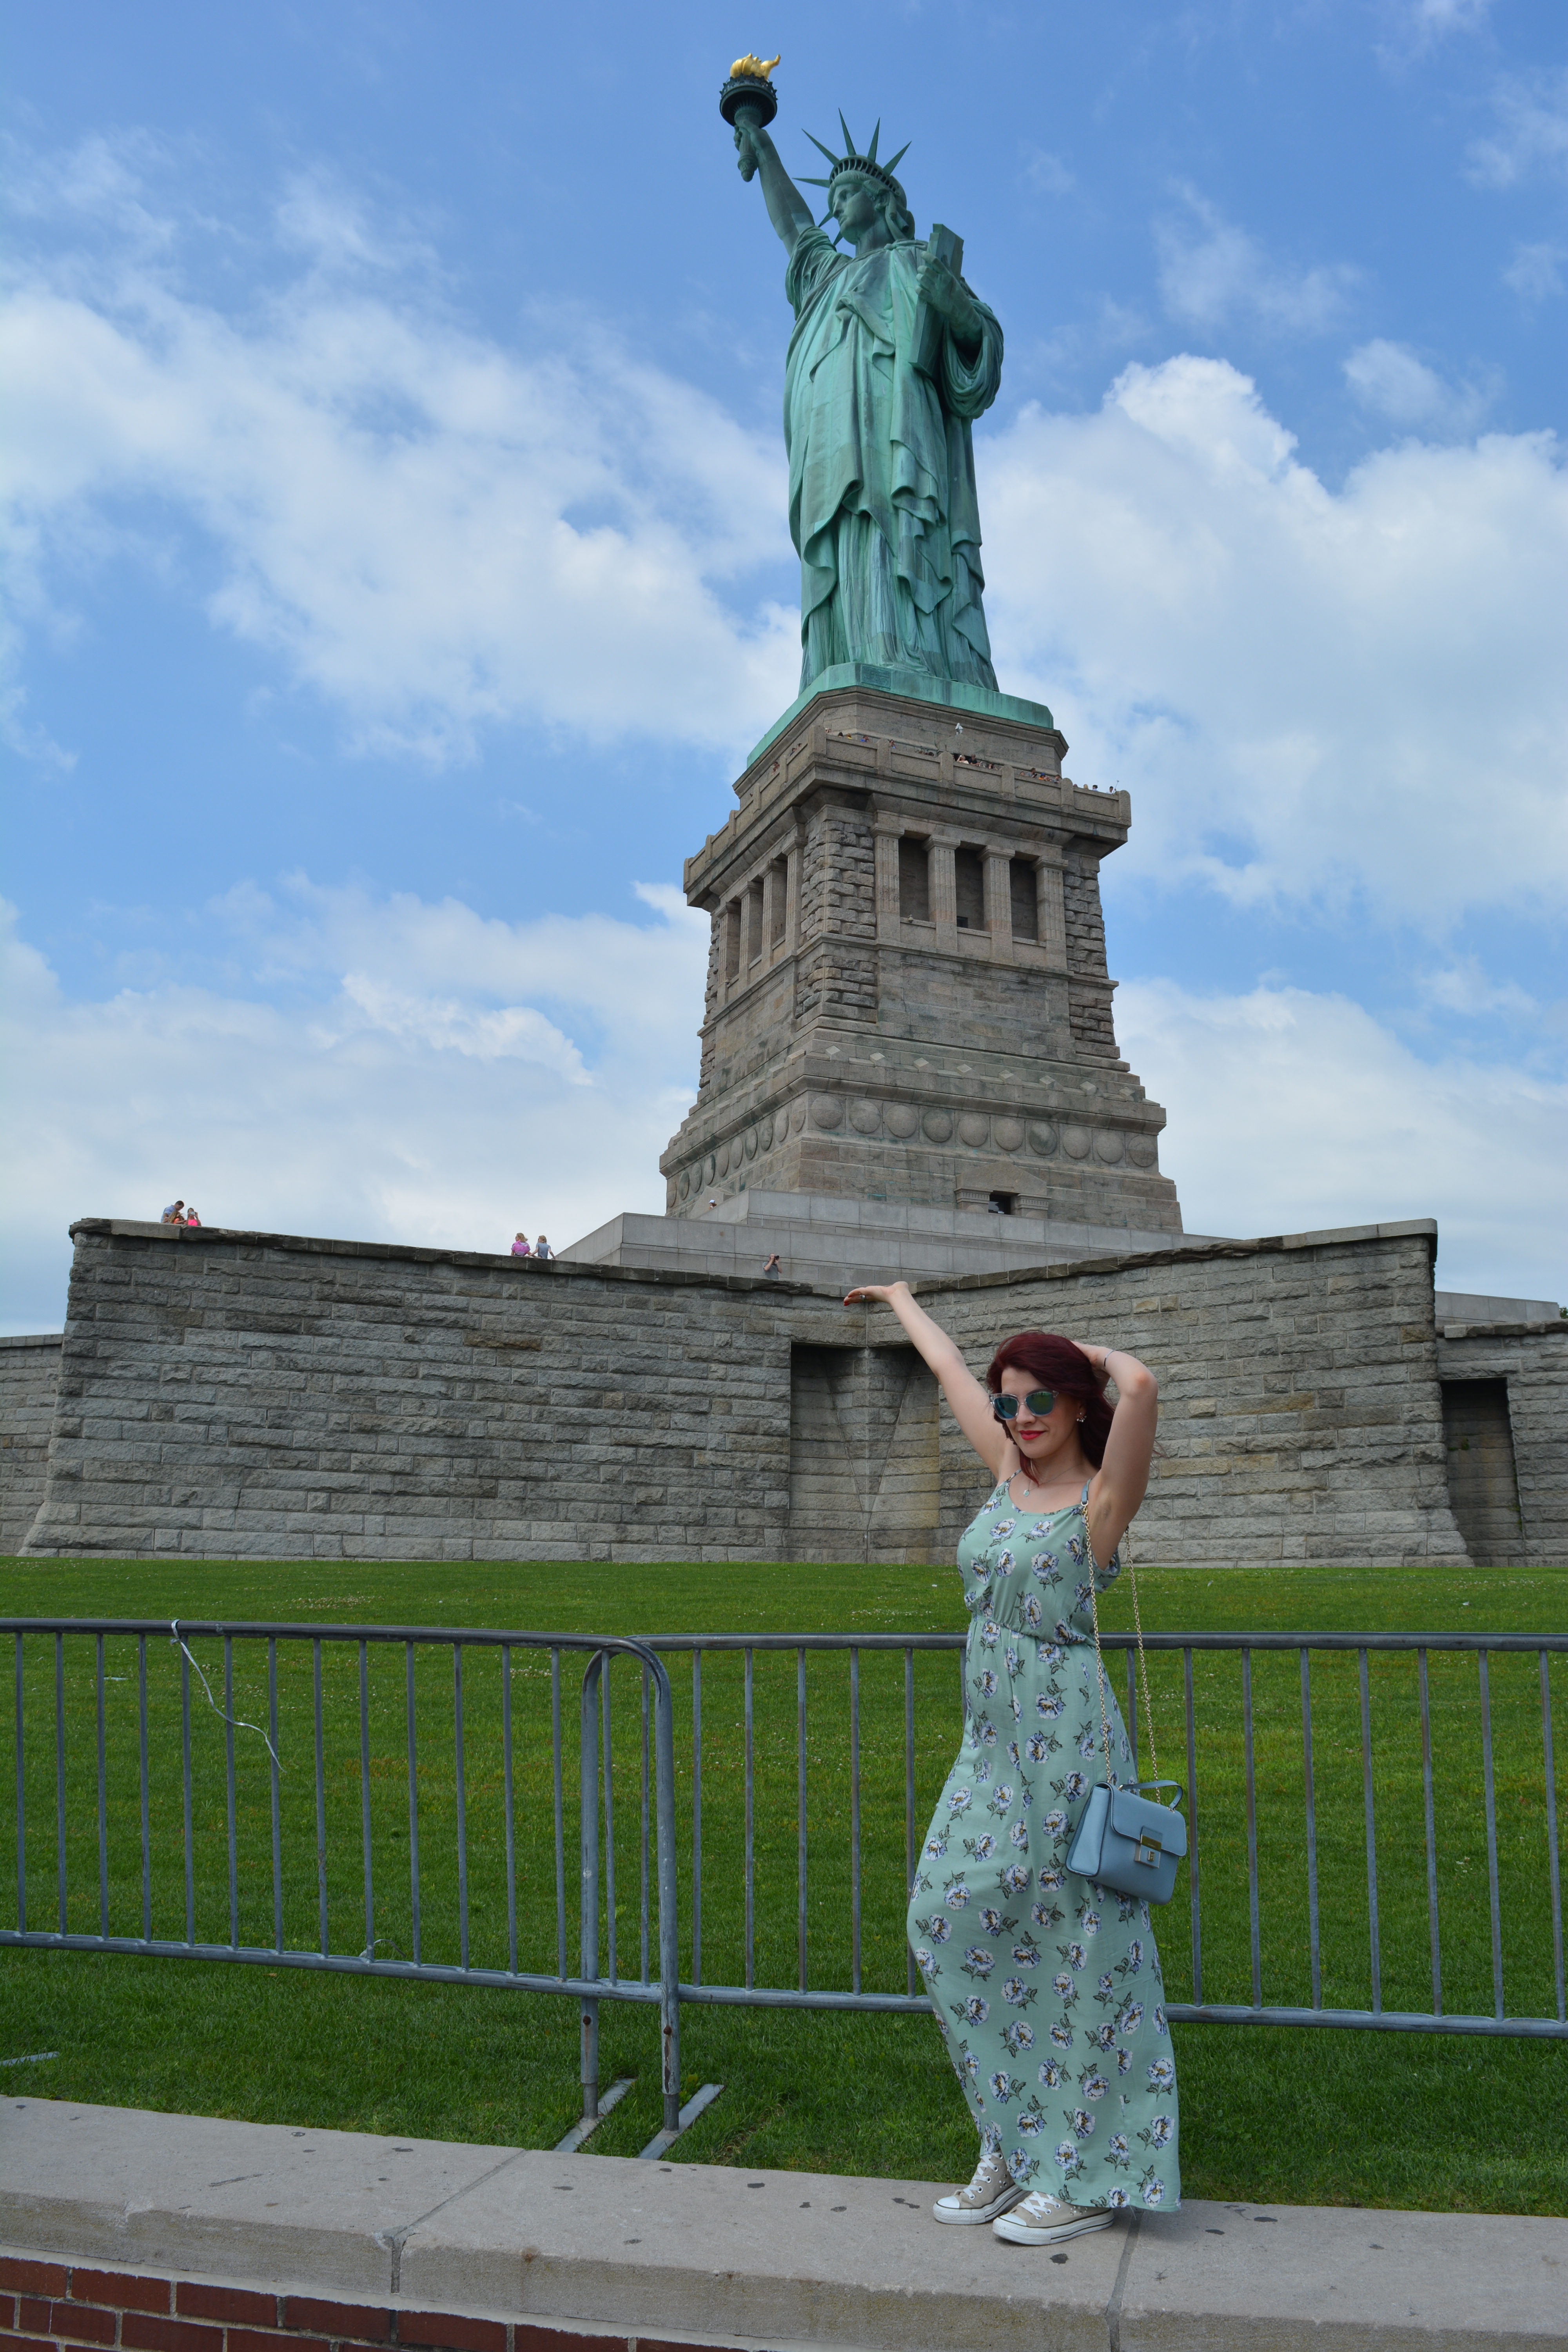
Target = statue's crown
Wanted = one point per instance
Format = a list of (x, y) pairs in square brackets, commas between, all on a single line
[(851, 161)]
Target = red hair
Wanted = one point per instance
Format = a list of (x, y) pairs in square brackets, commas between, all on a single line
[(1058, 1364)]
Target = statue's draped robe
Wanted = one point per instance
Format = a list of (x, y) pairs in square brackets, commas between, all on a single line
[(881, 467)]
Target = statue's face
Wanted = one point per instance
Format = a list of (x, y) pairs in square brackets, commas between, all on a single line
[(856, 205)]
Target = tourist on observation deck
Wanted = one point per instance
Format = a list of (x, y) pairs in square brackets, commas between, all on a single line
[(522, 1247), (1045, 1985)]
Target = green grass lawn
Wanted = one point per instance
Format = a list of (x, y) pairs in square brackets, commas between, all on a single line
[(1267, 2114)]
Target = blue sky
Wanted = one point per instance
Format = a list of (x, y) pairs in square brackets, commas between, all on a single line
[(393, 491)]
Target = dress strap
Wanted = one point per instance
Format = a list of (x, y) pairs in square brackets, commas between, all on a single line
[(1083, 1498)]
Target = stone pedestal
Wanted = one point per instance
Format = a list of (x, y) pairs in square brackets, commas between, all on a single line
[(908, 998), (830, 1241)]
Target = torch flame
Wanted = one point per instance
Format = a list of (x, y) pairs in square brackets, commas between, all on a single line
[(753, 68)]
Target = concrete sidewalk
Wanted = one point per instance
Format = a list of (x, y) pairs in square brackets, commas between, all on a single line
[(308, 2240)]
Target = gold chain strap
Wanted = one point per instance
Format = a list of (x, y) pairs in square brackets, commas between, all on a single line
[(1153, 1773), (1098, 1661)]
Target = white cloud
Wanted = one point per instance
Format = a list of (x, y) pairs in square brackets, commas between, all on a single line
[(318, 216), (1389, 379), (1535, 273), (420, 1073), (1531, 131), (1292, 1112), (512, 1032), (1464, 987), (1211, 272), (1309, 691), (1423, 22), (1046, 173), (432, 532), (100, 182)]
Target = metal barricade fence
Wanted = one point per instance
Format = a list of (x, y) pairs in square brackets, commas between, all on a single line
[(1324, 1819), (277, 1839), (1468, 1814)]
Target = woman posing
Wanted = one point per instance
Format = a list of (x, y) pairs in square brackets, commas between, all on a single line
[(1047, 1988)]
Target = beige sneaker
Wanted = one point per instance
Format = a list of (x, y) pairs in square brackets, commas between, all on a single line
[(992, 2191), (1044, 2220)]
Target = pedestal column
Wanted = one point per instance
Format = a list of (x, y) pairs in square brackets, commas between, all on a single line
[(773, 890), (791, 898), (1053, 922), (888, 922), (999, 904), (731, 972), (943, 896)]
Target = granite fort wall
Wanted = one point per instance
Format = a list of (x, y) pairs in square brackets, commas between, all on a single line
[(268, 1396), (29, 1376), (1531, 1361)]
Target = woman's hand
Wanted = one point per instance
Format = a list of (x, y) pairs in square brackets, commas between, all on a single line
[(970, 1402)]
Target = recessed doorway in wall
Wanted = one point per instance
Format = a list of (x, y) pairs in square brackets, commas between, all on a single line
[(1004, 1205), (1483, 1483)]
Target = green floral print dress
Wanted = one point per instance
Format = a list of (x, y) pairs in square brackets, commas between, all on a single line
[(1047, 1988)]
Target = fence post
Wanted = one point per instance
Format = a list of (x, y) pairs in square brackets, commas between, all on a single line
[(669, 1918), (588, 1913)]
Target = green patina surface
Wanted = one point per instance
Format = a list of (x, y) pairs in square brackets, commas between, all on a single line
[(892, 359)]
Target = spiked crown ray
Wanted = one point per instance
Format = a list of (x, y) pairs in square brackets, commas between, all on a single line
[(852, 160)]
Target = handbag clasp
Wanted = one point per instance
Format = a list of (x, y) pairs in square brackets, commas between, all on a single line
[(1149, 1849)]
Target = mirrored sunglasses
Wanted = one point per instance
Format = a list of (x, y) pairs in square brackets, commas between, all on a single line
[(1039, 1401)]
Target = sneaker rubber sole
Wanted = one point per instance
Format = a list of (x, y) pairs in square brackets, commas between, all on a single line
[(1024, 2233)]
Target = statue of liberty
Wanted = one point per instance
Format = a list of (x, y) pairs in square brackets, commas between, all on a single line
[(891, 360)]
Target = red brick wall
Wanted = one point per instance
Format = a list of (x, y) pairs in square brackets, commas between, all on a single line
[(76, 2309)]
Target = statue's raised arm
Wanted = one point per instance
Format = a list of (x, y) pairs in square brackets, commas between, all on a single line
[(892, 358), (787, 208)]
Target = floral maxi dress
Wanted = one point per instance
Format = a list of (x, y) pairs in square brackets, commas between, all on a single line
[(1046, 1987)]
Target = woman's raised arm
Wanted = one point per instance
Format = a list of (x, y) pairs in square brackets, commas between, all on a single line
[(1118, 1486), (970, 1401)]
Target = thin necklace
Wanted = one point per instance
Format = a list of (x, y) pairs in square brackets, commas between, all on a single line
[(1031, 1486)]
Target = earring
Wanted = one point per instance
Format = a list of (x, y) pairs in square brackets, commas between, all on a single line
[(1080, 1420)]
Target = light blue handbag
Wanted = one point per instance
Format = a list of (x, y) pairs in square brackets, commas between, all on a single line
[(1125, 1840)]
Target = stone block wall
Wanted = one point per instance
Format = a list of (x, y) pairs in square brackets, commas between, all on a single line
[(1091, 988), (1531, 1361), (241, 1395), (29, 1376), (268, 1396)]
